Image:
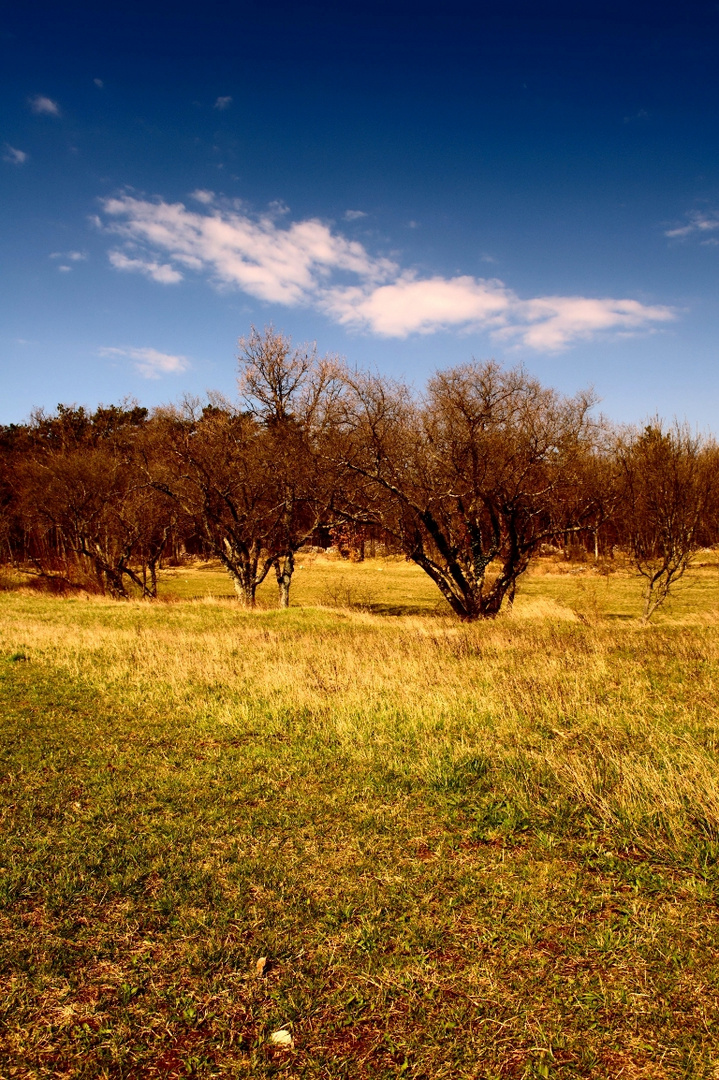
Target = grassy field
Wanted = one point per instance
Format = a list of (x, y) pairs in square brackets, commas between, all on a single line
[(396, 587), (465, 851)]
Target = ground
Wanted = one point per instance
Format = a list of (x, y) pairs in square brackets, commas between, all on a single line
[(466, 851)]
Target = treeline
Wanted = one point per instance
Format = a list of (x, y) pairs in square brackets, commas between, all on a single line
[(469, 479)]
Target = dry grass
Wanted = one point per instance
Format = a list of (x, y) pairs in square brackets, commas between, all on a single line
[(485, 851)]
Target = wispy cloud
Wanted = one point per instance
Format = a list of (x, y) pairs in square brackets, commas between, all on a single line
[(202, 196), (699, 223), (354, 215), (308, 263), (13, 155), (161, 272), (149, 362), (223, 103), (99, 83), (640, 114), (70, 256), (44, 106), (281, 264), (550, 323)]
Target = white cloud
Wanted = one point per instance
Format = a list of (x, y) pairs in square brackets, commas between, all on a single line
[(286, 265), (700, 222), (71, 256), (223, 103), (44, 106), (65, 269), (162, 272), (14, 156), (306, 263), (354, 215), (98, 83), (149, 362), (550, 323), (547, 323), (409, 306)]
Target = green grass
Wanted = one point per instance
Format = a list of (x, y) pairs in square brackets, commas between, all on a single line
[(487, 851)]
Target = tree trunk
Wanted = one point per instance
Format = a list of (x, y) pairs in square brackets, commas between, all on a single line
[(245, 590), (116, 586), (651, 601), (284, 568), (243, 571)]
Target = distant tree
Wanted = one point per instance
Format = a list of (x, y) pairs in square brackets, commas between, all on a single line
[(602, 489), (210, 462), (81, 495), (14, 444), (668, 503), (471, 478), (293, 395)]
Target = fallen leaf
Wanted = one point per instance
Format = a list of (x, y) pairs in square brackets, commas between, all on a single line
[(261, 966), (282, 1038)]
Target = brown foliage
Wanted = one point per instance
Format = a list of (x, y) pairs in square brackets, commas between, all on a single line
[(668, 501), (83, 503), (474, 476)]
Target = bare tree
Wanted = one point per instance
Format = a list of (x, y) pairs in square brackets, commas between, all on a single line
[(473, 476), (211, 466), (293, 395), (669, 488), (81, 495), (601, 486)]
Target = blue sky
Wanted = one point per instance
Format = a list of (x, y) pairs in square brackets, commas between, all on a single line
[(408, 184)]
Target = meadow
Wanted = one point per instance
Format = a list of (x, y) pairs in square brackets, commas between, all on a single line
[(420, 848)]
